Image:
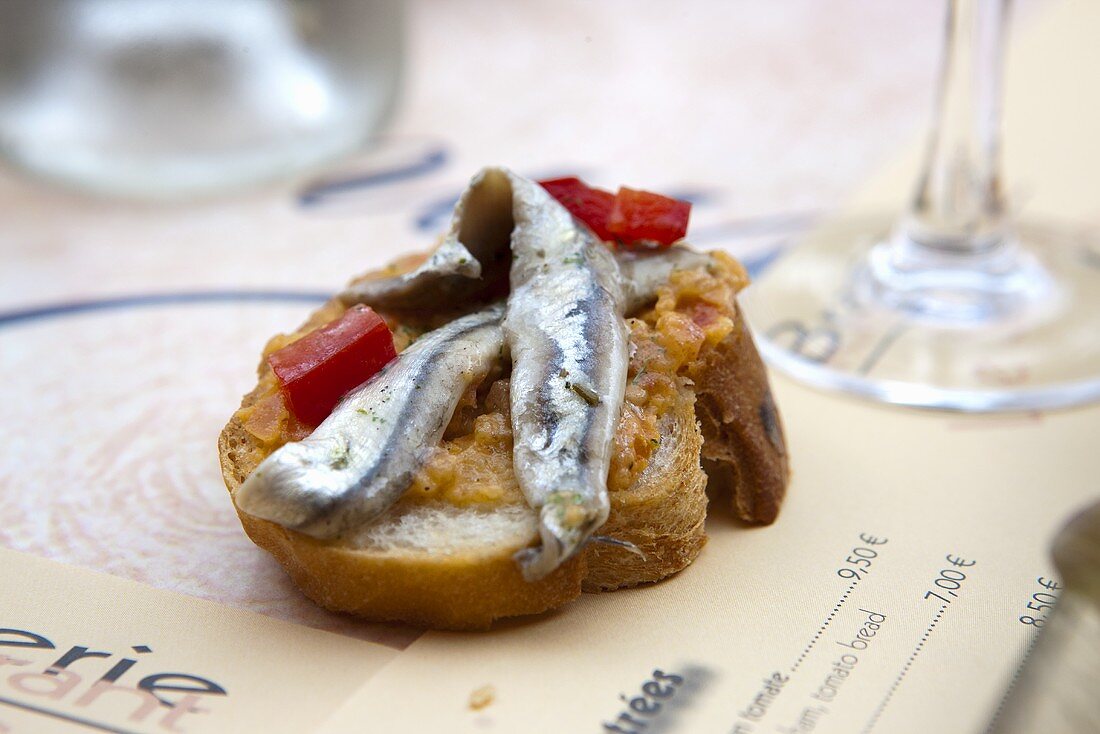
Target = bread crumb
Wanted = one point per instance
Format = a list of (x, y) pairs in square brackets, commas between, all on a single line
[(482, 697)]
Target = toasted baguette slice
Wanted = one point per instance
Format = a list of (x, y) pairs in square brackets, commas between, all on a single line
[(446, 564)]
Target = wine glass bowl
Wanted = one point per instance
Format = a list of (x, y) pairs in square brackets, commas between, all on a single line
[(953, 305)]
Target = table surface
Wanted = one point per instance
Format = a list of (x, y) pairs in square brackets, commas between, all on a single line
[(765, 117)]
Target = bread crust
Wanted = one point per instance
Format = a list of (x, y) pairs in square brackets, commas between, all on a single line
[(466, 592), (724, 418), (744, 449), (662, 513)]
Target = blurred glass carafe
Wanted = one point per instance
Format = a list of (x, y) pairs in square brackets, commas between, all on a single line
[(171, 98)]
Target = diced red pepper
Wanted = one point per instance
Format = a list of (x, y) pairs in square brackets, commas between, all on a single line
[(631, 217), (591, 206), (321, 367), (640, 217)]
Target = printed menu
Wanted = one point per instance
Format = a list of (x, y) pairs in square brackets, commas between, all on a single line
[(891, 596)]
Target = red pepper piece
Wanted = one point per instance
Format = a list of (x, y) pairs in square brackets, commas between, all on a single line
[(321, 367), (591, 206), (638, 217)]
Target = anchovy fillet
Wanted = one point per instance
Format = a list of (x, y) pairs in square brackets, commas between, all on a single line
[(644, 273), (451, 270), (473, 254), (563, 324), (452, 274), (565, 329), (362, 458)]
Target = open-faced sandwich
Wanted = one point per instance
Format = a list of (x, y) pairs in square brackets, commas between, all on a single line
[(532, 410)]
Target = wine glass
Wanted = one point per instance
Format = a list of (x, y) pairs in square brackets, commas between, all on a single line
[(955, 305)]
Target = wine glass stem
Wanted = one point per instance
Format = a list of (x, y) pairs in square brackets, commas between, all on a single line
[(958, 204)]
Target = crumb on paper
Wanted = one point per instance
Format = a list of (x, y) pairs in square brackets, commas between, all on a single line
[(482, 697)]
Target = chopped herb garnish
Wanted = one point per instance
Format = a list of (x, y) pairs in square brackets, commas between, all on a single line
[(586, 393), (338, 459)]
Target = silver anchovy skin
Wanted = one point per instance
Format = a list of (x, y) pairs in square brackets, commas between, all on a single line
[(452, 273), (644, 272), (568, 340), (474, 250), (362, 458)]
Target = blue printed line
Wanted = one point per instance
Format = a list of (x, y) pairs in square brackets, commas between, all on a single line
[(145, 300), (754, 264), (434, 214), (431, 161), (758, 263)]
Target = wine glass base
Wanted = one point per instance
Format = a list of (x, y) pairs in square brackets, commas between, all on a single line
[(823, 315)]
